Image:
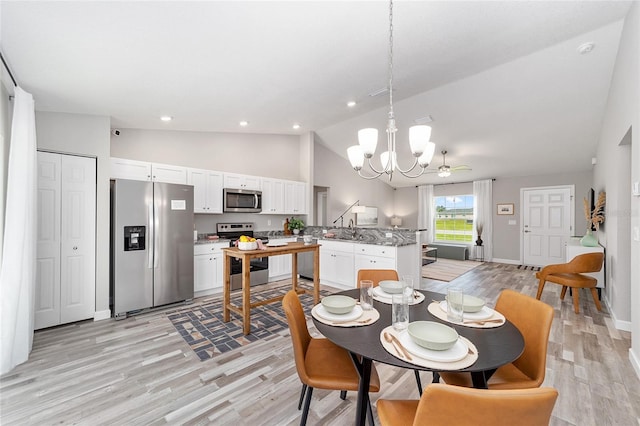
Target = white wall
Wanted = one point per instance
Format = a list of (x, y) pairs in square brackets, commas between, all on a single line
[(346, 187), (85, 135), (275, 156), (617, 165)]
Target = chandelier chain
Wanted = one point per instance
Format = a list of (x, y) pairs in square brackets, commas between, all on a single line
[(391, 59)]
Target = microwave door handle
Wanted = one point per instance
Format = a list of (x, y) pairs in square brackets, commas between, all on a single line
[(255, 203)]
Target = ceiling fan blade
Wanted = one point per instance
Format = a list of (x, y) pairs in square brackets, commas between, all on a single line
[(460, 169)]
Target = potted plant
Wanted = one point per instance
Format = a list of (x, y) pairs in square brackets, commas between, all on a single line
[(296, 225), (594, 218)]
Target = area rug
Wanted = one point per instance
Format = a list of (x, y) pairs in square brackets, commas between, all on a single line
[(448, 269), (201, 325)]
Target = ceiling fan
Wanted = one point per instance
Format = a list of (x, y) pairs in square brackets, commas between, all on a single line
[(445, 170)]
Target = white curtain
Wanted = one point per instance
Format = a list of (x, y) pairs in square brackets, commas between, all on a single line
[(17, 276), (426, 213), (483, 213)]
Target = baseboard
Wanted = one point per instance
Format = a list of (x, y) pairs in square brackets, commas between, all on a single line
[(635, 362), (507, 261), (102, 315), (619, 324)]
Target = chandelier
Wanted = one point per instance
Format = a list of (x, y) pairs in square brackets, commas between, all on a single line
[(421, 147)]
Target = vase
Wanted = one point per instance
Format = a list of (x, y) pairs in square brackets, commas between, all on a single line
[(296, 231), (479, 241), (589, 240)]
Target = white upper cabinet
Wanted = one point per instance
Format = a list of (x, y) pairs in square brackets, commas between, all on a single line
[(236, 181), (142, 170), (272, 196), (295, 198), (207, 190)]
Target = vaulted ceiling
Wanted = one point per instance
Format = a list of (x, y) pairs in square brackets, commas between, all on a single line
[(507, 90)]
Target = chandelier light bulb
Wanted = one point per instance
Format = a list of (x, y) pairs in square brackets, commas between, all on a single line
[(356, 156), (425, 159), (368, 139)]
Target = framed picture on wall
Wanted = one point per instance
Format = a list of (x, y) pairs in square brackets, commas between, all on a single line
[(368, 218), (506, 209)]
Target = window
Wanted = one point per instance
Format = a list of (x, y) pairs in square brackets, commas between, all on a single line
[(454, 218)]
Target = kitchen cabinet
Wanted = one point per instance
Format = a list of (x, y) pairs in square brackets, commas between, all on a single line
[(207, 190), (65, 244), (236, 181), (280, 266), (140, 170), (295, 198), (272, 196), (336, 264), (374, 257), (207, 268)]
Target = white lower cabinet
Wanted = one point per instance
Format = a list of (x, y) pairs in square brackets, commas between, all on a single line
[(65, 242), (280, 266), (207, 268), (336, 264)]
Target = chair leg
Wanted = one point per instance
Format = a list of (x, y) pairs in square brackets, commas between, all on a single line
[(343, 395), (540, 288), (576, 301), (594, 293), (436, 377), (563, 292), (370, 413), (305, 411), (302, 392), (418, 381)]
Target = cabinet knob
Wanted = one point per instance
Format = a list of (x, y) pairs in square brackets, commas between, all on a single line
[(75, 247)]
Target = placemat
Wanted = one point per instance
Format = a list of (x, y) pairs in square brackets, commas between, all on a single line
[(387, 300), (370, 316), (467, 361), (435, 309)]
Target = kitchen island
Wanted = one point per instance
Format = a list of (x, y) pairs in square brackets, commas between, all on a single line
[(245, 256)]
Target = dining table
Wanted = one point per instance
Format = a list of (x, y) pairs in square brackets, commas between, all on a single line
[(495, 346)]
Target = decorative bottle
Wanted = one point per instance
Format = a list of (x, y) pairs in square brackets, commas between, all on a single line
[(287, 231)]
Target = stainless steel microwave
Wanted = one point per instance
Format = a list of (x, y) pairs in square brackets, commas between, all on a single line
[(242, 200)]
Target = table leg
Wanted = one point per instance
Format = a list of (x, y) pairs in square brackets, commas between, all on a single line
[(364, 371), (226, 289), (246, 296), (294, 271), (479, 380), (316, 275)]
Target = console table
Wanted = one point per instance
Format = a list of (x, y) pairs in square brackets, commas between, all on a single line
[(245, 256)]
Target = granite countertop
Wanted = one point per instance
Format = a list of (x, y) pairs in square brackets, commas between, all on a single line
[(356, 241), (205, 241)]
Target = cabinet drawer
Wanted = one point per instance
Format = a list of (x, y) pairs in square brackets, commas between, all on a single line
[(373, 250), (209, 248), (336, 246)]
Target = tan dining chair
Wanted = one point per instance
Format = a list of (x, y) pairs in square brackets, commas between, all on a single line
[(376, 275), (571, 275), (320, 363), (533, 318), (444, 405)]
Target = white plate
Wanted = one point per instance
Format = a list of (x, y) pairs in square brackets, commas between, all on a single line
[(385, 297), (276, 244), (378, 291), (457, 352), (482, 314), (353, 315)]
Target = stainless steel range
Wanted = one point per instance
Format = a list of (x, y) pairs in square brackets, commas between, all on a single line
[(259, 267)]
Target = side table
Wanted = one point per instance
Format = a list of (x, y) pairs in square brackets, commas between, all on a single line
[(479, 253)]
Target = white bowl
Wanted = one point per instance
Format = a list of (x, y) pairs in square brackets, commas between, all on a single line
[(307, 239), (472, 304), (338, 304), (432, 335), (390, 286), (251, 245)]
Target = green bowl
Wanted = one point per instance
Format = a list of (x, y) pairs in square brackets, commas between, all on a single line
[(390, 286), (432, 335), (338, 304), (472, 304)]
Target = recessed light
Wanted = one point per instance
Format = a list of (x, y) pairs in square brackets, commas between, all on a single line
[(166, 118), (351, 104), (296, 126), (585, 48), (244, 123)]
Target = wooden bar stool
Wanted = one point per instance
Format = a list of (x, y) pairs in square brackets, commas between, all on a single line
[(571, 275)]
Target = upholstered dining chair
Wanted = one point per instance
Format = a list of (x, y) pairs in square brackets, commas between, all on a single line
[(571, 275), (533, 318), (320, 363), (444, 405), (376, 275)]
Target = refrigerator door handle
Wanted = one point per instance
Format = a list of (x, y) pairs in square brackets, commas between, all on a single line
[(151, 236), (156, 228)]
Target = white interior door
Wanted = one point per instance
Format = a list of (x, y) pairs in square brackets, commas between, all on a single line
[(47, 297), (77, 242), (547, 224)]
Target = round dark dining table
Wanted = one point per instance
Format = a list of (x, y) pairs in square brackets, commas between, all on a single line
[(496, 346)]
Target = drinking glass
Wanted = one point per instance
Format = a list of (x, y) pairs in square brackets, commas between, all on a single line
[(455, 303), (400, 311), (408, 285), (366, 294)]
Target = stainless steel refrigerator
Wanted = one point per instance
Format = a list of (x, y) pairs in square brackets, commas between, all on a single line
[(151, 244)]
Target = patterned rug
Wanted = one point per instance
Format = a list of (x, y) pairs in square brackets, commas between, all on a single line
[(201, 325), (528, 268), (448, 269)]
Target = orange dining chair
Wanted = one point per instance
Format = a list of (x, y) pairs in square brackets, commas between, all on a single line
[(571, 275), (320, 363), (533, 318), (376, 275), (444, 405)]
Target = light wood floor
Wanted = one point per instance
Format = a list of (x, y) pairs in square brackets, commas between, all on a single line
[(140, 371)]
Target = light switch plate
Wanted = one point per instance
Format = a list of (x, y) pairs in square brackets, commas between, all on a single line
[(324, 231), (512, 222), (636, 233), (388, 234), (636, 189)]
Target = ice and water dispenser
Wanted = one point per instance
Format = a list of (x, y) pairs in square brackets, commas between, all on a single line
[(134, 238)]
